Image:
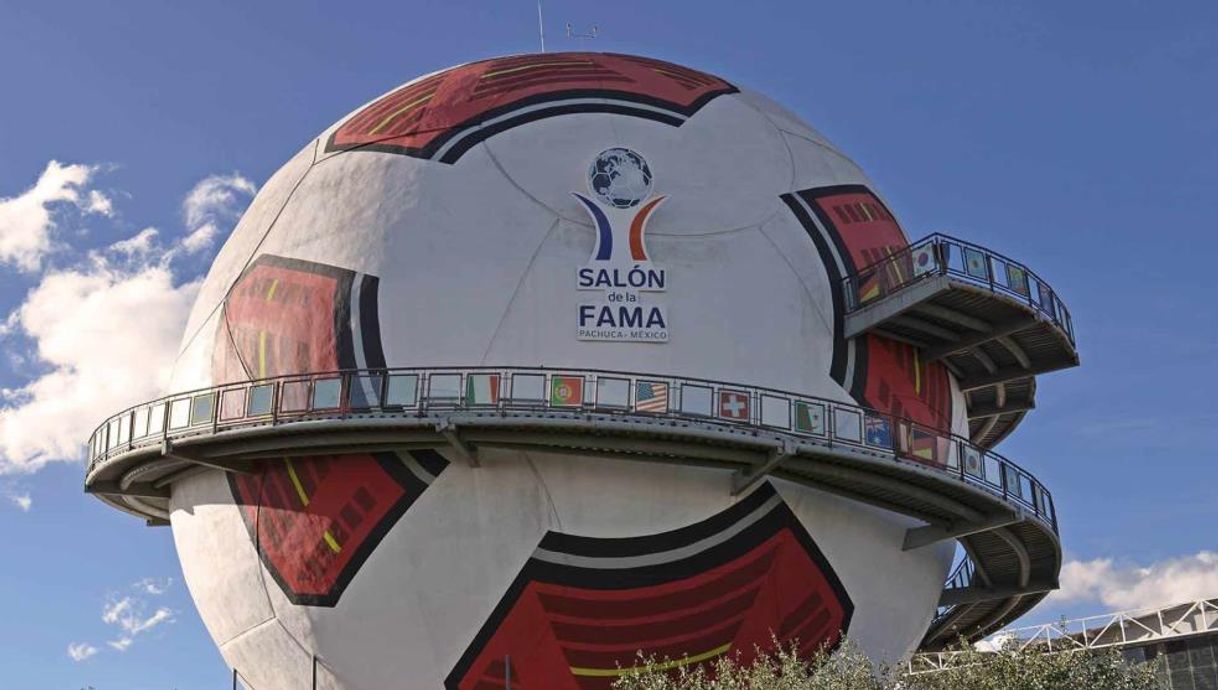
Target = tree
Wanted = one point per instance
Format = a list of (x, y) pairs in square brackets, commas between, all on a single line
[(1033, 669), (848, 669)]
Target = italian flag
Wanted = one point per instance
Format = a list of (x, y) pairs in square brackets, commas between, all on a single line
[(482, 389)]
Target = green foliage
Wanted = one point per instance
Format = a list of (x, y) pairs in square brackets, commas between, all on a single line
[(849, 669), (1033, 670), (846, 669)]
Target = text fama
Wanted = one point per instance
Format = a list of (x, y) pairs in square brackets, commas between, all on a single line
[(621, 316)]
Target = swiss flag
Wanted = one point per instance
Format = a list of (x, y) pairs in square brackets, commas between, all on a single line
[(734, 405)]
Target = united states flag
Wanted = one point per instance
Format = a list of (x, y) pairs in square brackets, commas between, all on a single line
[(651, 396)]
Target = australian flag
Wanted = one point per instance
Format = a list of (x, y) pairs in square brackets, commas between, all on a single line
[(879, 431)]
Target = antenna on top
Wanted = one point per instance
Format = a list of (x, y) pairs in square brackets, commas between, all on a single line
[(590, 33), (541, 27)]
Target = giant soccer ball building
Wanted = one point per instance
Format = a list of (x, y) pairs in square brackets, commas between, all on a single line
[(539, 362)]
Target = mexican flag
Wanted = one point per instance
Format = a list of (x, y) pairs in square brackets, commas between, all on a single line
[(482, 389), (566, 390)]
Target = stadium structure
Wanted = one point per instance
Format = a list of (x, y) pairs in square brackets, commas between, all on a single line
[(1181, 638), (538, 362)]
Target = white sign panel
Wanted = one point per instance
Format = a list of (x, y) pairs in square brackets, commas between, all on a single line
[(620, 272)]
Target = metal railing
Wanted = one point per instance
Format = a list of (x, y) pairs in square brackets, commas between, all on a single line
[(1123, 628), (1120, 629), (420, 392), (961, 578), (943, 255)]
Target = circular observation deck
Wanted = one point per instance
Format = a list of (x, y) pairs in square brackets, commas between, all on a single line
[(992, 322), (999, 512)]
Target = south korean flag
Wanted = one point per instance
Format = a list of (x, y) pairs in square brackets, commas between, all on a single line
[(923, 257)]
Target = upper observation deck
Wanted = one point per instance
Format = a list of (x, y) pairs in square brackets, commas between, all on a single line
[(993, 323), (998, 511)]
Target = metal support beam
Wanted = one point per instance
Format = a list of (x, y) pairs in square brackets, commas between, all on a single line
[(169, 451), (984, 358), (978, 411), (997, 331), (925, 327), (449, 431), (1016, 351), (944, 314), (1021, 554), (566, 442), (1008, 374), (377, 444), (903, 300), (953, 368), (136, 489), (984, 430), (743, 479), (972, 595), (861, 481), (885, 333), (918, 537)]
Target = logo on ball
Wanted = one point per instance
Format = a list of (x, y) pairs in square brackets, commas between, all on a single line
[(619, 180), (619, 177)]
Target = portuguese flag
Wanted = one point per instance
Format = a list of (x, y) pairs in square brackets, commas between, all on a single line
[(567, 390)]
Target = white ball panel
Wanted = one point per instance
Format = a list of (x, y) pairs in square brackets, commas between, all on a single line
[(734, 315), (268, 658), (232, 258), (821, 166), (713, 183), (207, 531), (895, 592), (423, 594), (782, 118)]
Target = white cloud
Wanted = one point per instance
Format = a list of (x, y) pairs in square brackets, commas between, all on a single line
[(1119, 586), (114, 610), (103, 331), (129, 614), (994, 644), (26, 222), (154, 586), (137, 245), (22, 501), (136, 626), (79, 651), (99, 203), (214, 201), (108, 334)]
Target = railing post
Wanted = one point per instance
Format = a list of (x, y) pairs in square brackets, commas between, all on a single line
[(424, 391), (507, 672), (382, 390), (234, 679), (165, 421), (215, 410), (314, 683)]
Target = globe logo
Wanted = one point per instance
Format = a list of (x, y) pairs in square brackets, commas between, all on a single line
[(619, 177)]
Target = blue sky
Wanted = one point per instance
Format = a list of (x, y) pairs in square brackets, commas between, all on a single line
[(1077, 137)]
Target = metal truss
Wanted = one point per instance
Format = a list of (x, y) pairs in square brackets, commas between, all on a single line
[(1134, 628)]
